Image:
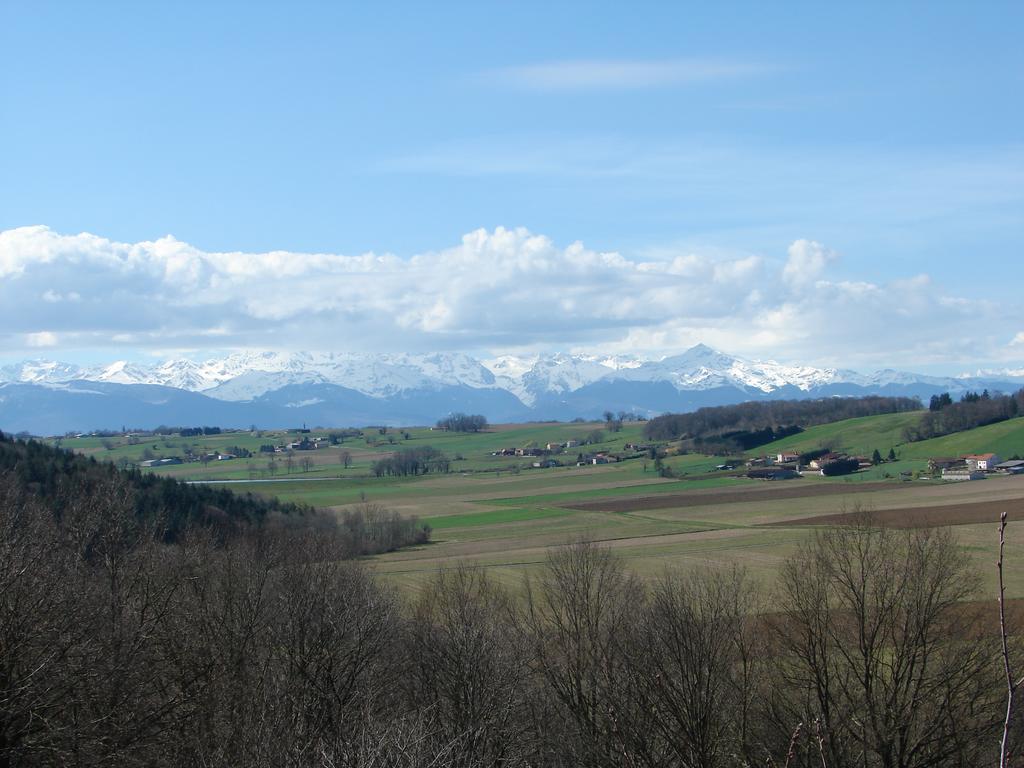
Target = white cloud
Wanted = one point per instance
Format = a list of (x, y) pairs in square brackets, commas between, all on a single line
[(41, 339), (495, 291), (806, 263), (1018, 339), (589, 74)]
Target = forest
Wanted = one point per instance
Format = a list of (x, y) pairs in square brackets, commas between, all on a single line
[(275, 648), (56, 478)]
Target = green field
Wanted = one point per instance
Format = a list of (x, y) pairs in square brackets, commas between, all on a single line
[(500, 512), (862, 436), (856, 436)]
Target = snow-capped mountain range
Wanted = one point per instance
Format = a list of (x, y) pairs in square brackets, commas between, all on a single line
[(245, 376), (391, 387)]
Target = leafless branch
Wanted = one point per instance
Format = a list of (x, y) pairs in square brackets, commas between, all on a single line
[(1011, 685)]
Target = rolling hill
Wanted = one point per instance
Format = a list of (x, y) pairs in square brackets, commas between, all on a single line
[(862, 436)]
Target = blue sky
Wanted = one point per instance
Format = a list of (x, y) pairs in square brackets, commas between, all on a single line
[(887, 134)]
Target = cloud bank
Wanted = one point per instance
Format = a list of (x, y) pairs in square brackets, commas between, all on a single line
[(495, 291)]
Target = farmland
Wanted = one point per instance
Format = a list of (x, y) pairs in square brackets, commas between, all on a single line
[(502, 513)]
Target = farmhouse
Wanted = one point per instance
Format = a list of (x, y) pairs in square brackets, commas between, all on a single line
[(529, 451), (597, 458), (787, 458), (772, 473), (554, 446), (956, 474), (161, 462), (984, 461), (823, 461)]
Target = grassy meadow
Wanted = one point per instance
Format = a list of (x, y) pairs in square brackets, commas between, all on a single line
[(503, 514)]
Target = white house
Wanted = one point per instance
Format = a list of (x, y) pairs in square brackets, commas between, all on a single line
[(985, 462)]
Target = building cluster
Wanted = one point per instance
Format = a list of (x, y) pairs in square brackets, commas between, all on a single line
[(305, 444), (161, 462), (189, 458), (532, 450), (546, 454), (975, 466), (786, 465)]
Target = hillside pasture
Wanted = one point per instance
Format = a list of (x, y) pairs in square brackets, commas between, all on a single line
[(854, 436)]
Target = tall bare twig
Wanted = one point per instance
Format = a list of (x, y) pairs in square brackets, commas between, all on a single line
[(791, 753), (1011, 684), (820, 738)]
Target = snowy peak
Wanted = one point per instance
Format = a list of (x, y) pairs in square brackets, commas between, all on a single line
[(40, 372), (248, 375), (530, 378), (121, 372)]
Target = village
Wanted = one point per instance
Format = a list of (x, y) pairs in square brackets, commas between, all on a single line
[(306, 443), (785, 466), (545, 455)]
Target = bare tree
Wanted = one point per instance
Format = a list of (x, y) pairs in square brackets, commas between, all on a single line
[(876, 630), (40, 624), (581, 615), (467, 669), (332, 638), (1013, 683), (695, 670)]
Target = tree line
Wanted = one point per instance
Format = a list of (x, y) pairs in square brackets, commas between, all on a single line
[(463, 422), (274, 649), (706, 423), (407, 462), (974, 409)]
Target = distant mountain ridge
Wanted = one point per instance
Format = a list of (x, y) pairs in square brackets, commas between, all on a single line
[(275, 388)]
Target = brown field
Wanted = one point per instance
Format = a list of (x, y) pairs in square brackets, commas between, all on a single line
[(704, 497), (925, 517), (756, 527)]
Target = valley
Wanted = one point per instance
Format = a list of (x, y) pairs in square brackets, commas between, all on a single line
[(502, 513)]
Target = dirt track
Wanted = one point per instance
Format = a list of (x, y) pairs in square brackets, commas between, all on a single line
[(707, 496)]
